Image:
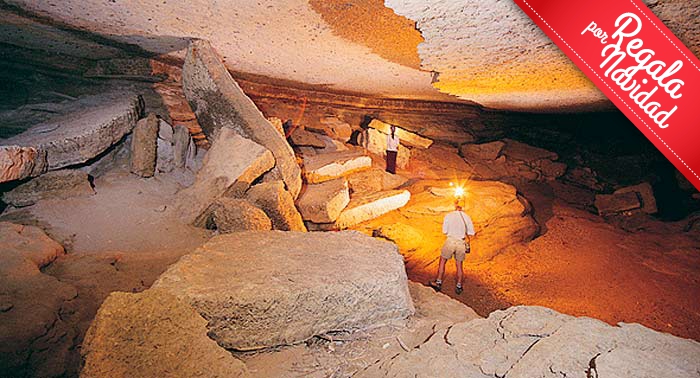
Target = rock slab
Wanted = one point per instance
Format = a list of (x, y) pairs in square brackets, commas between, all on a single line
[(264, 289), (368, 207), (617, 203), (230, 166), (324, 167), (376, 144), (645, 193), (528, 341), (153, 334), (407, 138), (218, 102), (278, 204), (57, 184), (18, 162), (322, 203), (77, 137), (144, 146)]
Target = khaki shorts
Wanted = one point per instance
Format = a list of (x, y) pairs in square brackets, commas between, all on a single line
[(454, 247)]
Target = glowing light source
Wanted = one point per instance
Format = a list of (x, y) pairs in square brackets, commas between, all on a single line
[(459, 192)]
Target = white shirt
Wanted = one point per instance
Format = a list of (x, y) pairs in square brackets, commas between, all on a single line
[(457, 224), (392, 144)]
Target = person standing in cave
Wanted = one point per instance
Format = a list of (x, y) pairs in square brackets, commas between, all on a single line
[(458, 227), (392, 150)]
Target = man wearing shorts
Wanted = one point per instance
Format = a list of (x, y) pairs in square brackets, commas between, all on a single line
[(456, 225)]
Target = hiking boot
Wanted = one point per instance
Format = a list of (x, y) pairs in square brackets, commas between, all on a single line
[(458, 289), (437, 286)]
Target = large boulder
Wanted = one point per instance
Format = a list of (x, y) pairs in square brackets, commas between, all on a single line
[(153, 334), (31, 303), (277, 288), (303, 138), (322, 203), (278, 204), (58, 184), (335, 128), (324, 167), (18, 162), (235, 215), (219, 102), (230, 166), (525, 152), (525, 342), (75, 138), (144, 146)]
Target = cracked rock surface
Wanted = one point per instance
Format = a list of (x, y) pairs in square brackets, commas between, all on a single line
[(526, 342)]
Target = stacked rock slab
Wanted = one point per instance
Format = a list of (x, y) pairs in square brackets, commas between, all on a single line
[(526, 342), (142, 160), (322, 203), (303, 138), (278, 288), (373, 180), (364, 208), (60, 184), (645, 193), (70, 139), (278, 204), (230, 166), (324, 167), (407, 138), (153, 334), (219, 102), (617, 203)]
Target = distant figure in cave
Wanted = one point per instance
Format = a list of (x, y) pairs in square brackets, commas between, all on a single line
[(392, 150), (457, 226)]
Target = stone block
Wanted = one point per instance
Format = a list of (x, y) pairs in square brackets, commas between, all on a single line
[(144, 146), (324, 167), (52, 185), (322, 203), (278, 204), (265, 289)]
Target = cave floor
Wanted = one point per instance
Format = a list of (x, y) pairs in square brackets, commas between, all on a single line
[(579, 264)]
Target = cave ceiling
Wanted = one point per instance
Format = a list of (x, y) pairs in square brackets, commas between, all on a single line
[(488, 52)]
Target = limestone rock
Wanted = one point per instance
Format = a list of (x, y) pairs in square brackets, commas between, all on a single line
[(35, 301), (58, 184), (584, 177), (520, 151), (144, 146), (361, 209), (303, 138), (550, 169), (18, 162), (329, 166), (277, 288), (336, 128), (617, 203), (234, 215), (407, 138), (230, 166), (407, 237), (374, 180), (376, 144), (153, 334), (277, 124), (75, 138), (182, 141), (645, 193), (525, 342), (278, 204), (165, 153), (219, 102), (483, 151), (322, 203)]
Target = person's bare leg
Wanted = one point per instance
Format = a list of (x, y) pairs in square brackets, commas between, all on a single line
[(441, 269), (460, 272)]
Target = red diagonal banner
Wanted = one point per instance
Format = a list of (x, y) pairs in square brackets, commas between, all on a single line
[(638, 63)]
